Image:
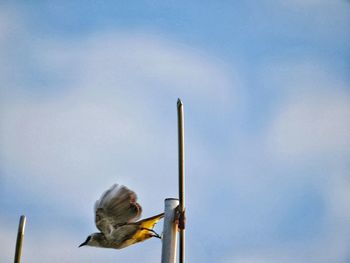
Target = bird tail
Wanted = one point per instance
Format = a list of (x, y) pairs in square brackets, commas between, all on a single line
[(151, 221)]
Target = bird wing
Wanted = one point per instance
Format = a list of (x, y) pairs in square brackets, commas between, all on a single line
[(117, 206)]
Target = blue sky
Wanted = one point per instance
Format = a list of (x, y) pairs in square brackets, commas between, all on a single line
[(88, 99)]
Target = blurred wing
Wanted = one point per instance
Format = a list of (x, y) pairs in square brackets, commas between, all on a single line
[(116, 206)]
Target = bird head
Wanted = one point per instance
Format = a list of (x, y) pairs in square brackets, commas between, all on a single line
[(93, 240)]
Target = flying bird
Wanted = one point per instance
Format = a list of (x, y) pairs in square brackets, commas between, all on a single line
[(116, 215)]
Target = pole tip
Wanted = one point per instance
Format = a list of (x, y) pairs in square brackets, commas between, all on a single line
[(179, 102), (22, 218)]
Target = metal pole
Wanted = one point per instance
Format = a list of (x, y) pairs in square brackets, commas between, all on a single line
[(20, 235), (169, 231), (181, 136)]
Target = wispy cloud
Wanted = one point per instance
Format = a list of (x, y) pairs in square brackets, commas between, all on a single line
[(315, 124), (312, 117), (92, 111)]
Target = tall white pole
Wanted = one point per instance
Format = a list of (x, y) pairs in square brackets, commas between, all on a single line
[(169, 242)]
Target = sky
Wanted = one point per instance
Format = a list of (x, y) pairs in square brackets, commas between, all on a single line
[(88, 98)]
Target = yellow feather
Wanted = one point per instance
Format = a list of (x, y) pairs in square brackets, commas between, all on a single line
[(147, 223), (151, 221)]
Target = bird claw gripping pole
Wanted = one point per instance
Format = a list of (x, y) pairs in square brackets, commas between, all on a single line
[(180, 218)]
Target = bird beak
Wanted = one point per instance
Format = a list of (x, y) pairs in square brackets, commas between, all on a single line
[(83, 244), (86, 241)]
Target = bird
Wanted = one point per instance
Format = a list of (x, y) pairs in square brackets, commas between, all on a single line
[(116, 215)]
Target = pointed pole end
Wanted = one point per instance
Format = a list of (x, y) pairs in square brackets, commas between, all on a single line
[(179, 102), (22, 223)]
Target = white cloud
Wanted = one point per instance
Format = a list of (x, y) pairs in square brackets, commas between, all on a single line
[(311, 119), (312, 125), (88, 112), (110, 106), (309, 129), (150, 65)]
